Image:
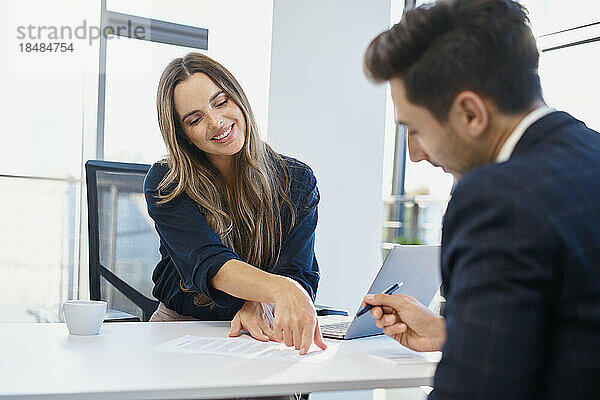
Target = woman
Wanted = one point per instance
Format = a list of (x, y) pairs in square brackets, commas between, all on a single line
[(236, 220)]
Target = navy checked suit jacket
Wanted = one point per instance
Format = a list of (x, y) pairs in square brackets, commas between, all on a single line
[(521, 271)]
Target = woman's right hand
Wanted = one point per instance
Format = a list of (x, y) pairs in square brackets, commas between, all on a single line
[(295, 316), (296, 321)]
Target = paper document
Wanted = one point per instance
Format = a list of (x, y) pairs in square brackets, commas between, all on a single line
[(240, 347), (406, 356)]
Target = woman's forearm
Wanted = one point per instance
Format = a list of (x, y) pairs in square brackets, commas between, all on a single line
[(245, 281), (295, 321)]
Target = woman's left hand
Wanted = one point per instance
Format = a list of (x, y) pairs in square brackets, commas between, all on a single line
[(257, 319)]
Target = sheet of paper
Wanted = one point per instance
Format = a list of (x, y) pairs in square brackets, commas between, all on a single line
[(404, 355), (241, 347)]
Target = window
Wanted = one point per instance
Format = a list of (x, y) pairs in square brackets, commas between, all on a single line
[(133, 68), (568, 35), (40, 165), (550, 16), (569, 40), (569, 81), (50, 114), (39, 247), (415, 194)]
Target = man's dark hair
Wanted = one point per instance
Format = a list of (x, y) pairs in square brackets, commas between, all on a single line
[(440, 50)]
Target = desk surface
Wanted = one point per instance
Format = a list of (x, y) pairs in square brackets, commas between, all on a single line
[(44, 361)]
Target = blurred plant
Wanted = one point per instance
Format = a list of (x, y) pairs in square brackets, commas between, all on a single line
[(405, 240)]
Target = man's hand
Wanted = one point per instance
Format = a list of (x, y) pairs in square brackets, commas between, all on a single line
[(408, 322), (257, 319), (295, 318)]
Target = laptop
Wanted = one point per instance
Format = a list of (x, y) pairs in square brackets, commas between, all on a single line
[(418, 267)]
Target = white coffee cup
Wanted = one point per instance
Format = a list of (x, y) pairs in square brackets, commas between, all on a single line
[(84, 317)]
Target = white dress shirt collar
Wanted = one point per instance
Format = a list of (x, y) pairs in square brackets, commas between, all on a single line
[(508, 147)]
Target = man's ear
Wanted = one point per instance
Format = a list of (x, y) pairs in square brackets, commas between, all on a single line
[(470, 113)]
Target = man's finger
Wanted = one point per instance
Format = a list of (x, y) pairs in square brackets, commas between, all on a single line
[(387, 310), (384, 300), (376, 312), (389, 319), (381, 312), (395, 329), (392, 304)]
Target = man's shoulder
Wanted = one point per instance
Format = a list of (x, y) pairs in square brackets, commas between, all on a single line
[(504, 189), (543, 159), (557, 137), (548, 176), (490, 179)]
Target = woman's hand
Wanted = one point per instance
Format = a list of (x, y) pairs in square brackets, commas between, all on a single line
[(295, 317), (257, 319)]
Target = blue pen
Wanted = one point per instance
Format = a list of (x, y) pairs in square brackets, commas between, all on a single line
[(389, 290)]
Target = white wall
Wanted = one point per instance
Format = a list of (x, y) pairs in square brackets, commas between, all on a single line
[(323, 111)]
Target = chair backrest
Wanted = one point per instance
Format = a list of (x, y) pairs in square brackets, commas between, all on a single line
[(123, 244)]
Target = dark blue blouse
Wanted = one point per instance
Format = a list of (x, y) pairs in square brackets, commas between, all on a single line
[(192, 253)]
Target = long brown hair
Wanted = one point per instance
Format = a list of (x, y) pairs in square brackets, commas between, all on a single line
[(247, 216)]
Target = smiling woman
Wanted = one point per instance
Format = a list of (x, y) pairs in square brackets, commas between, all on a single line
[(212, 122), (236, 219)]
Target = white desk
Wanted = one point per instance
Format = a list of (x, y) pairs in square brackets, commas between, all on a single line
[(43, 361)]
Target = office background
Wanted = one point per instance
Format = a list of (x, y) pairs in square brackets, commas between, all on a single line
[(300, 65)]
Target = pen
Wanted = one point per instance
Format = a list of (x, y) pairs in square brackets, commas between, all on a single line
[(389, 290)]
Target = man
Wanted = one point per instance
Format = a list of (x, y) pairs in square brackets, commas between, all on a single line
[(521, 235)]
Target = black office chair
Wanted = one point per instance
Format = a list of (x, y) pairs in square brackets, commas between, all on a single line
[(123, 245)]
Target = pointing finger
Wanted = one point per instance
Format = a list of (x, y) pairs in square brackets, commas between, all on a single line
[(319, 337), (307, 339)]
